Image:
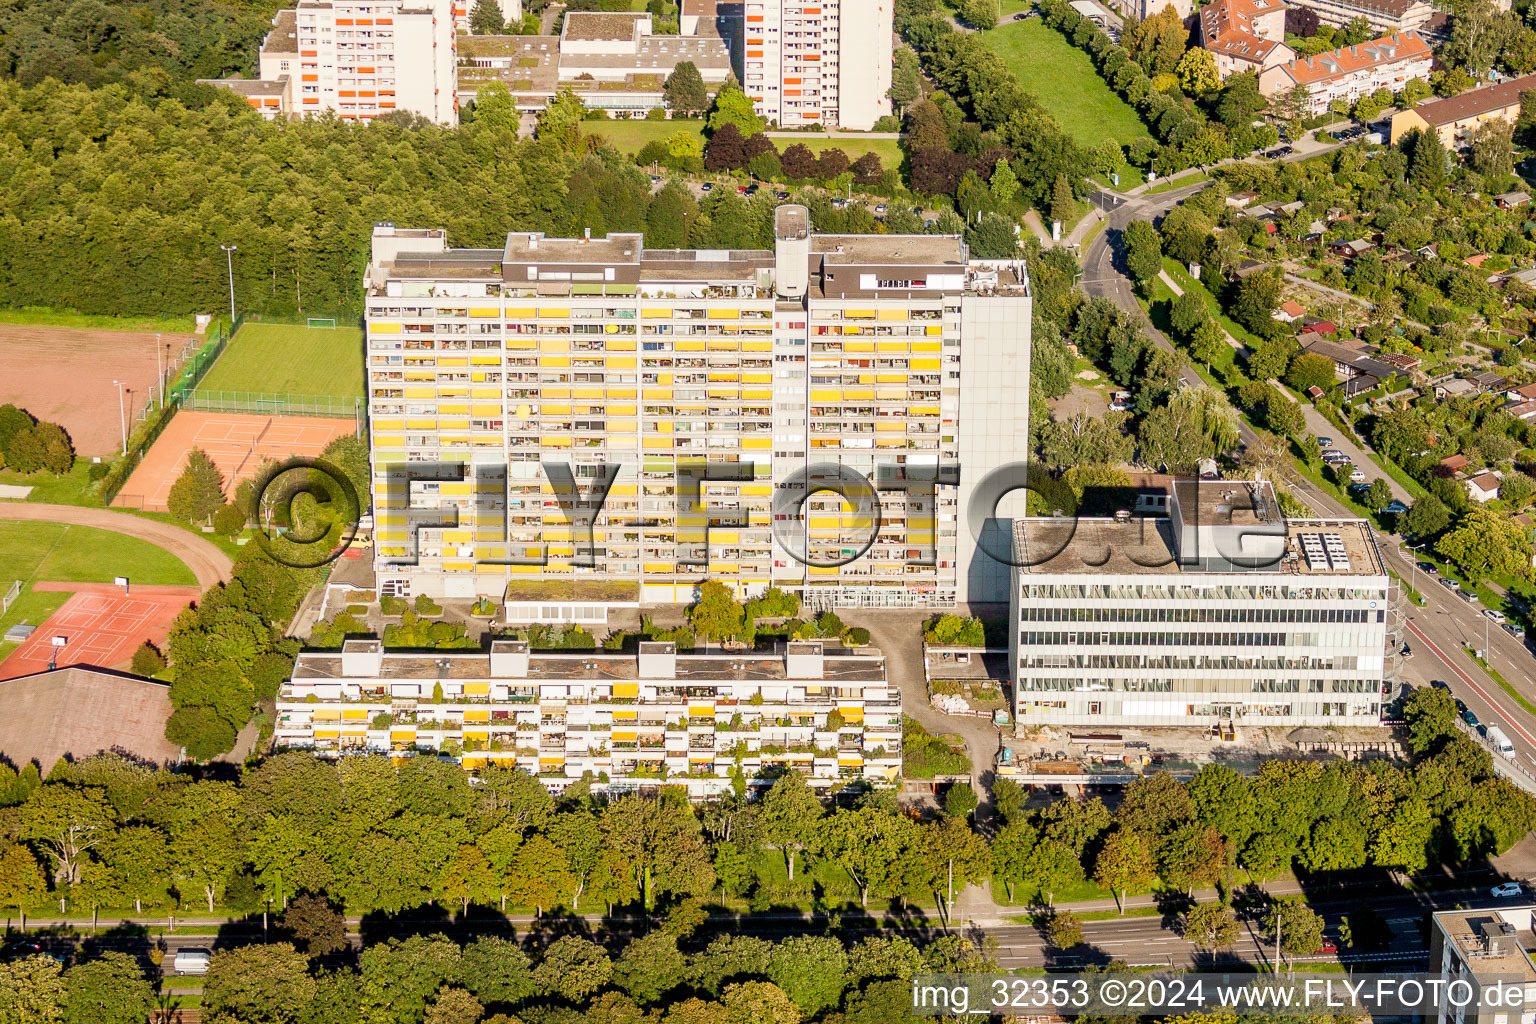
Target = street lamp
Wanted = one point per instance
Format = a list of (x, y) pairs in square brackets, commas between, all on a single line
[(229, 260), (121, 421), (159, 372)]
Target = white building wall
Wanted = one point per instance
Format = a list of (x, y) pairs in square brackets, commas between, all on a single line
[(863, 68), (1069, 668), (993, 431)]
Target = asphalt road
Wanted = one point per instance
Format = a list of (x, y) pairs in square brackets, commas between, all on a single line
[(1138, 940)]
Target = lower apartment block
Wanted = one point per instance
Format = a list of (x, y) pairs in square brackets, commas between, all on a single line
[(1221, 614), (630, 720)]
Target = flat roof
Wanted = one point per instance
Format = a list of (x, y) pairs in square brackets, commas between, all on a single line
[(595, 26), (533, 247), (1467, 931), (878, 250), (1143, 545), (597, 666)]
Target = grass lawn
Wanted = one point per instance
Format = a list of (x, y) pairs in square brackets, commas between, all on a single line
[(629, 137), (42, 316), (1064, 78), (291, 359), (80, 554), (1169, 184), (1180, 275), (73, 488)]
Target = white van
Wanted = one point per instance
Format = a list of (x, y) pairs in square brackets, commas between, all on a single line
[(191, 961), (1500, 742)]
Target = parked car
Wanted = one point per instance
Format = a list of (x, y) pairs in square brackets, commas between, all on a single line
[(838, 204), (1449, 584), (1506, 889), (1396, 507), (1283, 151), (708, 186), (1428, 569), (879, 209), (741, 189), (751, 190), (1407, 651), (1470, 717), (1357, 476), (1461, 705), (1325, 442), (781, 195), (1327, 946), (1441, 684), (1494, 615), (1514, 630)]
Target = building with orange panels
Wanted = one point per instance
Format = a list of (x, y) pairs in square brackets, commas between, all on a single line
[(358, 59), (826, 63), (1350, 72), (1245, 35), (705, 389)]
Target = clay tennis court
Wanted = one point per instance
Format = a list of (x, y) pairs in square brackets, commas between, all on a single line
[(65, 375), (104, 626), (237, 443)]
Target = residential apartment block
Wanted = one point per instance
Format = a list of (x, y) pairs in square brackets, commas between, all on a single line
[(1245, 35), (716, 386), (1219, 614), (1483, 950), (824, 62), (358, 59), (614, 62), (1457, 117), (1350, 72), (638, 718), (1384, 16)]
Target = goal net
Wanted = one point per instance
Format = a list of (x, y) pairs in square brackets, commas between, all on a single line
[(323, 321)]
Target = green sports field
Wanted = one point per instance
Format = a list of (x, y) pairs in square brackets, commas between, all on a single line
[(290, 359), (1063, 77), (79, 554)]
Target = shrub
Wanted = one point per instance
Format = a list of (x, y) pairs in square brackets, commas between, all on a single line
[(391, 605), (426, 606), (147, 660), (228, 521), (953, 629), (858, 636), (98, 470), (382, 720)]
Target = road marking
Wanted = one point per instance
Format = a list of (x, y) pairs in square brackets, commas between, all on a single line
[(1508, 718)]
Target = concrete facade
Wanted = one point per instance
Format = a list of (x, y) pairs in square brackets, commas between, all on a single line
[(1482, 949), (638, 719), (358, 61), (775, 372), (1219, 614), (828, 64)]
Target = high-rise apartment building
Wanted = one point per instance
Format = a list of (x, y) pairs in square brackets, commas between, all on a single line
[(818, 62), (1219, 613), (702, 389), (632, 719), (358, 59)]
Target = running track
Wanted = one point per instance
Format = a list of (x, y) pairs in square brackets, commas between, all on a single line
[(207, 562)]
